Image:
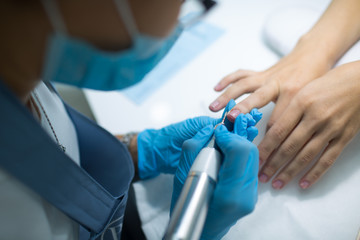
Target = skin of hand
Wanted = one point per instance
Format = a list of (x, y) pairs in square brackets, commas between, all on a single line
[(321, 119), (279, 83), (337, 30)]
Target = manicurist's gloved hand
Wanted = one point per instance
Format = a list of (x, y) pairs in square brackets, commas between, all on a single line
[(235, 194), (159, 150)]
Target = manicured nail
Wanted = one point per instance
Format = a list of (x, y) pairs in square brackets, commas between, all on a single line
[(263, 178), (278, 184), (233, 114), (217, 87), (304, 184), (214, 105)]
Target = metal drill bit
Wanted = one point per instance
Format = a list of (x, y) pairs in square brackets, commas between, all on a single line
[(212, 141)]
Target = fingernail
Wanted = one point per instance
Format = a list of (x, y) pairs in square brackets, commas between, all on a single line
[(233, 114), (304, 184), (214, 105), (217, 87), (278, 184), (263, 178)]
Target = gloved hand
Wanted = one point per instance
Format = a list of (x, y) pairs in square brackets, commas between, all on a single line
[(235, 194), (245, 124), (159, 150)]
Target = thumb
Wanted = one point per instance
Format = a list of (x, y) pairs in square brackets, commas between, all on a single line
[(195, 144), (223, 138), (190, 150), (240, 155), (192, 126)]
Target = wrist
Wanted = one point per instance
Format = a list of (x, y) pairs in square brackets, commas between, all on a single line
[(147, 154), (130, 141), (315, 52), (133, 149)]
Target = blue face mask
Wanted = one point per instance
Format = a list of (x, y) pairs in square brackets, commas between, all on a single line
[(73, 61)]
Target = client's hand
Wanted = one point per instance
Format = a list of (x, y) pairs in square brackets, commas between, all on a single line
[(321, 119), (279, 83)]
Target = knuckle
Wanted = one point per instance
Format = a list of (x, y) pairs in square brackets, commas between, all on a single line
[(327, 163), (270, 123), (315, 175), (239, 84), (287, 175), (230, 92), (288, 149), (262, 94), (332, 132), (264, 150), (227, 79), (270, 169), (348, 133), (291, 89), (224, 97), (321, 116), (305, 159), (244, 106), (278, 133), (304, 100)]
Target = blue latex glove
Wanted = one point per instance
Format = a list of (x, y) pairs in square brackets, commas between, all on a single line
[(235, 194), (245, 124), (159, 150)]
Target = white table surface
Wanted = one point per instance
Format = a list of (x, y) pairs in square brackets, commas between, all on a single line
[(189, 92)]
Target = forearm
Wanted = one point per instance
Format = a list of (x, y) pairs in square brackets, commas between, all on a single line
[(334, 33)]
